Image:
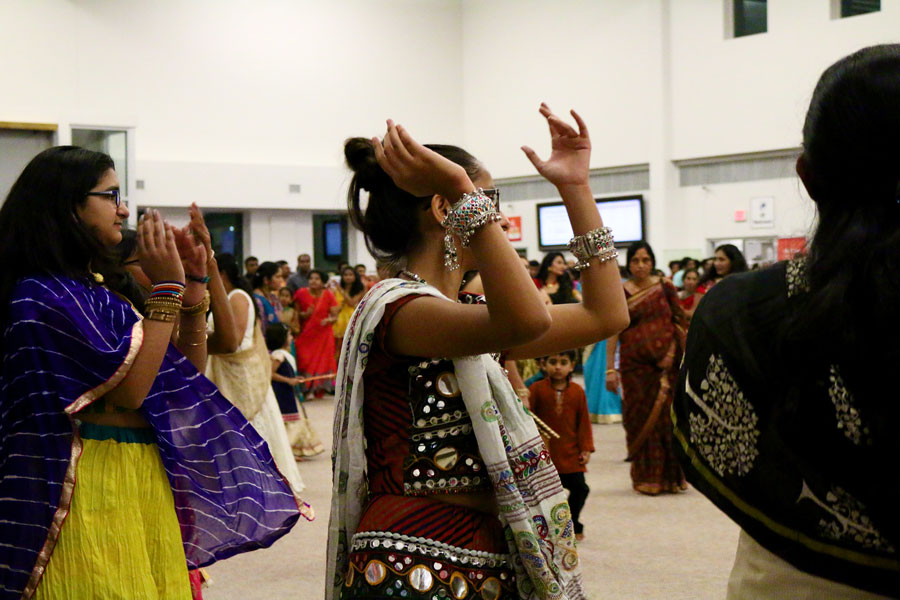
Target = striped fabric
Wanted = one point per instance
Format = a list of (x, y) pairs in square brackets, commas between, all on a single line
[(67, 343)]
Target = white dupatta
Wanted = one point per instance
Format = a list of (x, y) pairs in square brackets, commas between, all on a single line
[(531, 500)]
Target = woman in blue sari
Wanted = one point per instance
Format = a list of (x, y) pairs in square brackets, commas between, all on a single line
[(121, 466)]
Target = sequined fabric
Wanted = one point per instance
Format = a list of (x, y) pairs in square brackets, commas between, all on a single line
[(391, 565), (443, 451)]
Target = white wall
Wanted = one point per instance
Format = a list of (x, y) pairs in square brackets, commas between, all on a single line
[(751, 93), (595, 57), (232, 101)]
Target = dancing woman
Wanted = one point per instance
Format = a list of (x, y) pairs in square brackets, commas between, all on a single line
[(649, 355), (115, 454), (440, 473)]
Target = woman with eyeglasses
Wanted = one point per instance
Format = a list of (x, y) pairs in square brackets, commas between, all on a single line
[(435, 455), (786, 411), (120, 467)]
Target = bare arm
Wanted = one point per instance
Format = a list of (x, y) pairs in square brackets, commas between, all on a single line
[(160, 261), (226, 335), (603, 311), (612, 375), (515, 313)]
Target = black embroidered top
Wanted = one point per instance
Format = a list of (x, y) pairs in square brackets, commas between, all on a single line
[(827, 504)]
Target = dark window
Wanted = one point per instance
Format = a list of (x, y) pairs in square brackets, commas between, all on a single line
[(750, 17), (851, 8), (227, 233)]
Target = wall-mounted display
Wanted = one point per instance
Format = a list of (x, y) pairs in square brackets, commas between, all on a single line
[(624, 215)]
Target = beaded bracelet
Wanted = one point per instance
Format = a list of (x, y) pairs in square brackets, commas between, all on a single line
[(469, 214), (597, 243), (168, 289)]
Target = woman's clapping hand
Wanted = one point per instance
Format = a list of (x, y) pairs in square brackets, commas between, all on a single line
[(157, 251)]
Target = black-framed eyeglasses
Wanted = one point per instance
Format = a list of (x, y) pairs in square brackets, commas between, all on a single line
[(116, 195)]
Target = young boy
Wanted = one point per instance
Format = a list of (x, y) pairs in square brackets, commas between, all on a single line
[(562, 405)]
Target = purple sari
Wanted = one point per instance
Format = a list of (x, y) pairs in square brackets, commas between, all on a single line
[(67, 343)]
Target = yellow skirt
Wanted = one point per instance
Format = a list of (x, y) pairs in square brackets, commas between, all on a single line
[(121, 538)]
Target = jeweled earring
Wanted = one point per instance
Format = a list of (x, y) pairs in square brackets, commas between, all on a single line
[(450, 256)]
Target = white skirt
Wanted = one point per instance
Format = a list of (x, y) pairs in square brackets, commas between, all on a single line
[(760, 575), (270, 426)]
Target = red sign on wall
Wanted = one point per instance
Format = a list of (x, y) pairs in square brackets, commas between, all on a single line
[(788, 247), (514, 234)]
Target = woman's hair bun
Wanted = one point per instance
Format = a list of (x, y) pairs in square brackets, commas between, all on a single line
[(359, 153)]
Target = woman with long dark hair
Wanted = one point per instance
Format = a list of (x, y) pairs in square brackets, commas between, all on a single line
[(555, 280), (244, 373), (436, 457), (785, 410), (728, 260), (649, 355), (119, 465)]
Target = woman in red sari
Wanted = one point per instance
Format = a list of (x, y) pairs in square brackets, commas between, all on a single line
[(315, 344), (650, 354)]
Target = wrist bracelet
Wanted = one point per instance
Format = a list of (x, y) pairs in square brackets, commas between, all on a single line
[(196, 278), (197, 309), (608, 371), (469, 214), (167, 289), (160, 315), (597, 243)]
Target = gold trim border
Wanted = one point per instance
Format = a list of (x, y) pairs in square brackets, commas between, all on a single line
[(775, 527), (68, 489)]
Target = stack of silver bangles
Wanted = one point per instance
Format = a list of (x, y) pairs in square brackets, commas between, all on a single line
[(469, 214), (594, 244)]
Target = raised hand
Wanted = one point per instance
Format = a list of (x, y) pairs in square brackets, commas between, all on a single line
[(157, 252), (570, 155), (191, 250), (418, 170), (200, 230)]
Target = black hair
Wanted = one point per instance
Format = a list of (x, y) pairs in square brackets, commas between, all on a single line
[(228, 266), (566, 288), (360, 265), (571, 354), (632, 250), (390, 222), (281, 263), (39, 229), (249, 258), (276, 336), (357, 285), (735, 257), (533, 263), (265, 271), (851, 167), (322, 275)]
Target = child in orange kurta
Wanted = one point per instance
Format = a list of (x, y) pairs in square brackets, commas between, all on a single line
[(562, 405)]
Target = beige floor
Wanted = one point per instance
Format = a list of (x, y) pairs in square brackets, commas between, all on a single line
[(637, 547)]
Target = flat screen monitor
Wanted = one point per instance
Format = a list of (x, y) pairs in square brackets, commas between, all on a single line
[(334, 239), (624, 215)]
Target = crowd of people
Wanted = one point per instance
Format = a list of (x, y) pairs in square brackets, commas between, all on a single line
[(152, 398)]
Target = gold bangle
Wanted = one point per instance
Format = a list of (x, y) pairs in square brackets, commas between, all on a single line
[(160, 315), (608, 371), (197, 309), (194, 344)]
